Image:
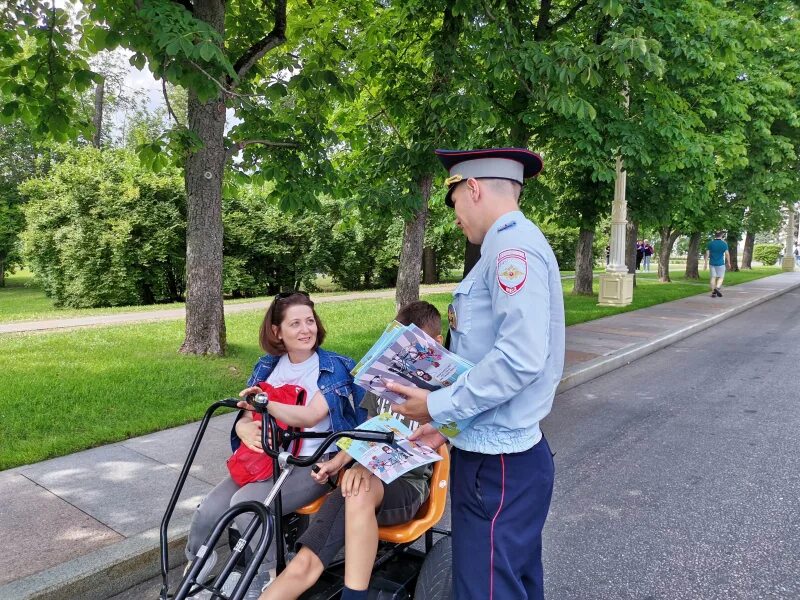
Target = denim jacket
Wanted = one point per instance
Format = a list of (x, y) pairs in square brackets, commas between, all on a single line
[(335, 382)]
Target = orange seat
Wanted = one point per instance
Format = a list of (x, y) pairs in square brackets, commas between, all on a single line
[(427, 516), (312, 507), (430, 512)]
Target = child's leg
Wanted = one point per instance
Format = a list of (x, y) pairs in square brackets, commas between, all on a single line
[(361, 535), (298, 490), (300, 574), (320, 542)]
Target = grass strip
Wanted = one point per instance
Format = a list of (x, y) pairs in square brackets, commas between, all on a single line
[(68, 391)]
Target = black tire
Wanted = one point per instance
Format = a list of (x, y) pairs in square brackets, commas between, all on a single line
[(435, 581)]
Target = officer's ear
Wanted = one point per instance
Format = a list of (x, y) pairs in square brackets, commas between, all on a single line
[(474, 188), (440, 339)]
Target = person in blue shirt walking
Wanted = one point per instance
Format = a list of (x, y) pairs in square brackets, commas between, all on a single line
[(507, 317), (718, 258)]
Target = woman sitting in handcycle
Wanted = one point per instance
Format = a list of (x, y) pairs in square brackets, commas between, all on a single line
[(351, 517), (291, 334)]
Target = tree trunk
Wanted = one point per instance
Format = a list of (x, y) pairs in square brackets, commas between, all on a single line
[(747, 253), (667, 241), (584, 262), (692, 270), (2, 273), (411, 254), (97, 120), (205, 318), (632, 231), (472, 254), (429, 274), (733, 249)]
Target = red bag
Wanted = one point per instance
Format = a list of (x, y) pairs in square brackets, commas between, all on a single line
[(245, 465)]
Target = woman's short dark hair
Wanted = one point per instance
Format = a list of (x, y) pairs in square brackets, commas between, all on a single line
[(275, 314)]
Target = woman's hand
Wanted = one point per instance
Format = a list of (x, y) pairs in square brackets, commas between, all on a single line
[(253, 389), (354, 479), (249, 431)]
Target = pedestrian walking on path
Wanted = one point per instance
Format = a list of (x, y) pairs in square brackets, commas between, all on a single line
[(718, 259)]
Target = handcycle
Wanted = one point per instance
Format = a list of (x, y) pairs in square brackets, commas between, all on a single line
[(401, 572)]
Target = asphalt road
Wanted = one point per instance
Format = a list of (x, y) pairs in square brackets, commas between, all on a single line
[(678, 476)]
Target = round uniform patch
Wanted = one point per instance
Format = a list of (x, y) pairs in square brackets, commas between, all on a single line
[(452, 319), (512, 270)]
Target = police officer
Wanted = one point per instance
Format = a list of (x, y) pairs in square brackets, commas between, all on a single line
[(507, 317)]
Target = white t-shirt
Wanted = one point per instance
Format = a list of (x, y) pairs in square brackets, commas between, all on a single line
[(304, 374)]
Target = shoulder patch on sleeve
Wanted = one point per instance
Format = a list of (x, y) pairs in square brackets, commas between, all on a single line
[(512, 270)]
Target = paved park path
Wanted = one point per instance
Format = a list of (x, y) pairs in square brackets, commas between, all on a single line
[(86, 525), (172, 314)]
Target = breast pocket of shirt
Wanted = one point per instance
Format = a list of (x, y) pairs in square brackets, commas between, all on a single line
[(459, 313)]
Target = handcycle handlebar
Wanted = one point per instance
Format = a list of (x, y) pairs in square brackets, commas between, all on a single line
[(353, 434), (259, 403)]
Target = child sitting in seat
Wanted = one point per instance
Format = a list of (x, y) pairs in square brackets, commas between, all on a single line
[(351, 516)]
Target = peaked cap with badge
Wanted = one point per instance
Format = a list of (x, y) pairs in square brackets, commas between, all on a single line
[(514, 164)]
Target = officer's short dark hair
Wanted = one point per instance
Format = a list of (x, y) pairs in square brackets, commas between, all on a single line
[(719, 234), (499, 184), (422, 314)]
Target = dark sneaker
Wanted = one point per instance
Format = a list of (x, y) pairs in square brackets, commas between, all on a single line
[(719, 294), (260, 583), (713, 293)]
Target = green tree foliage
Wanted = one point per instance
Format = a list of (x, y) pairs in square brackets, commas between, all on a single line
[(767, 254), (42, 70), (268, 250), (17, 163), (103, 231)]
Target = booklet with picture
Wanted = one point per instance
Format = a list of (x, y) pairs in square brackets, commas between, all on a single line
[(407, 355), (389, 461)]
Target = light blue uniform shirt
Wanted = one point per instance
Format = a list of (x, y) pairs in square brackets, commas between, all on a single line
[(507, 317)]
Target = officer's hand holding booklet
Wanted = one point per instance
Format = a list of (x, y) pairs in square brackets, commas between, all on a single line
[(407, 355), (389, 461)]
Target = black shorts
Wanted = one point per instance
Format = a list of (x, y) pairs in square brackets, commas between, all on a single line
[(325, 534)]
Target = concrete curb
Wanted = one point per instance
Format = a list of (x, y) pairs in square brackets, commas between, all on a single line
[(600, 366), (118, 567), (104, 572)]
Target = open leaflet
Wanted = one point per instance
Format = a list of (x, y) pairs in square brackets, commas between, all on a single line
[(389, 461), (409, 356)]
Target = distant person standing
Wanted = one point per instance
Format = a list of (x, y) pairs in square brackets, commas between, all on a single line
[(718, 258), (639, 254), (648, 252)]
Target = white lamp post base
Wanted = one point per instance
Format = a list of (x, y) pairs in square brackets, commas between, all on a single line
[(616, 289)]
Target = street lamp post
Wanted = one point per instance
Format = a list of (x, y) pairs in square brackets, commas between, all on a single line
[(616, 284), (788, 253)]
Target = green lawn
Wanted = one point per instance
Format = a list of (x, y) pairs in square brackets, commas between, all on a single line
[(650, 291), (68, 391), (22, 300)]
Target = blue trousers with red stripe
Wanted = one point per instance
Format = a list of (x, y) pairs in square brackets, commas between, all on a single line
[(499, 506)]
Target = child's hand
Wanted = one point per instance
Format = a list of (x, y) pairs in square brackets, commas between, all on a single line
[(427, 434), (354, 480), (324, 471)]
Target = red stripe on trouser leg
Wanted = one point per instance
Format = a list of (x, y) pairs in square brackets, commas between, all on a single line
[(491, 534)]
